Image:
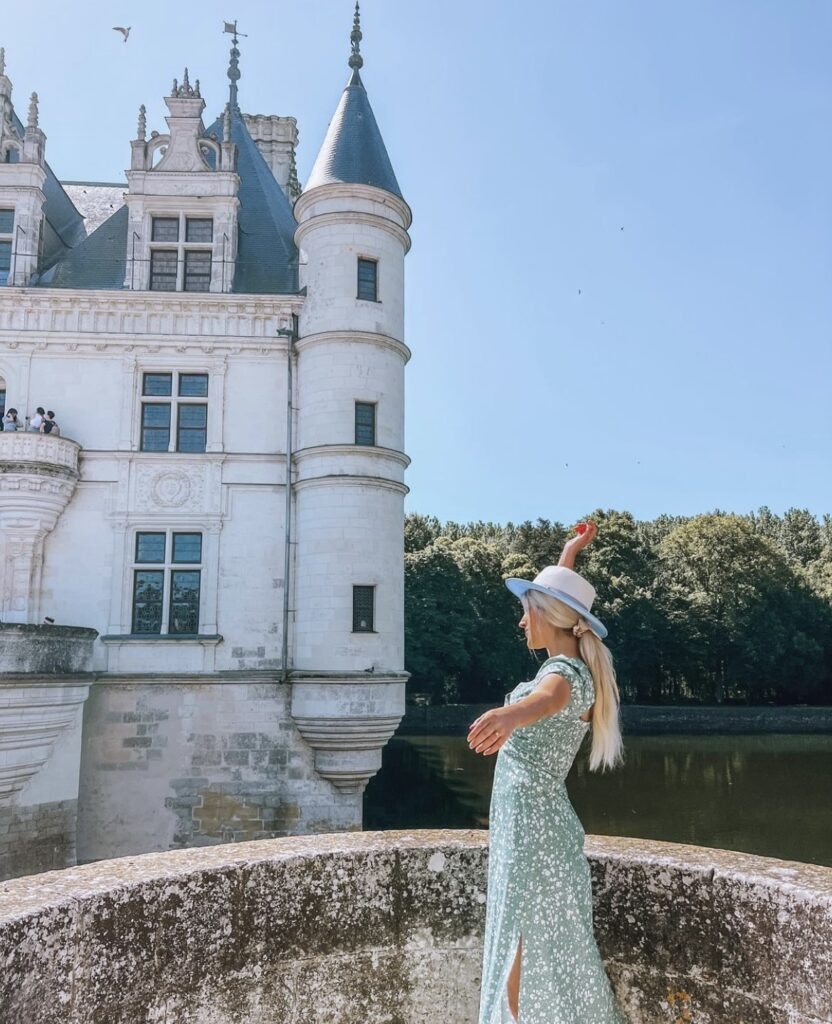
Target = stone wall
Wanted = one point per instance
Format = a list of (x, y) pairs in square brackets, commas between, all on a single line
[(168, 764), (38, 838), (387, 927), (44, 681)]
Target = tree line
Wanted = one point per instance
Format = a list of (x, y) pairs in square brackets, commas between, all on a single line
[(709, 609)]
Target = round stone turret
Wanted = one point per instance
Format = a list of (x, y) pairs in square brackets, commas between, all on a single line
[(348, 653), (38, 474)]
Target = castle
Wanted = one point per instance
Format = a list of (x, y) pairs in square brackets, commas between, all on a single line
[(201, 578)]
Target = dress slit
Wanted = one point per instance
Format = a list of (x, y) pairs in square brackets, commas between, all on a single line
[(502, 1011)]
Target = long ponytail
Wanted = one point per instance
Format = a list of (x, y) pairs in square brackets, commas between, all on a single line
[(607, 745)]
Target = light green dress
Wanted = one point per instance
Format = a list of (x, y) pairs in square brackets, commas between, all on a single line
[(538, 876)]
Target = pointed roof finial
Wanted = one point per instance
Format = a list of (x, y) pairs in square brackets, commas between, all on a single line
[(141, 133), (356, 61), (33, 111), (233, 64)]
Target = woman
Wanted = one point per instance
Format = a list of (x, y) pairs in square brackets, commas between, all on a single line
[(49, 426), (541, 963), (10, 420)]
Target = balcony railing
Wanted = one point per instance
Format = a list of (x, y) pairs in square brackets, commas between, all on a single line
[(31, 449)]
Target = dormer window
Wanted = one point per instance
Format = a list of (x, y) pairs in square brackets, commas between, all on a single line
[(180, 254)]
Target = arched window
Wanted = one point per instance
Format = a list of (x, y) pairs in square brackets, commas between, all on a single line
[(2, 397)]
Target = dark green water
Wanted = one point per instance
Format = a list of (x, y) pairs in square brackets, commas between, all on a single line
[(764, 794)]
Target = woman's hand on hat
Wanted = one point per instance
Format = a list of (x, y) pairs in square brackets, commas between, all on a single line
[(490, 731), (586, 534)]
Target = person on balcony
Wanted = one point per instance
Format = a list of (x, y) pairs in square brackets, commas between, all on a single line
[(541, 963), (49, 425), (10, 420), (37, 420)]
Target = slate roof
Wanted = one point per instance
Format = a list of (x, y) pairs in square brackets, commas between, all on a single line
[(65, 225), (353, 151), (99, 261), (267, 258)]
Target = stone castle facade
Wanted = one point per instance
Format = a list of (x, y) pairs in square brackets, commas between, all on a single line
[(201, 579)]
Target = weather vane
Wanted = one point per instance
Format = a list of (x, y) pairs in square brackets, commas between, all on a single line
[(231, 26), (234, 63)]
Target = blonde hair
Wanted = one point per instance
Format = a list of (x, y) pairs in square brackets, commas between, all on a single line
[(607, 745)]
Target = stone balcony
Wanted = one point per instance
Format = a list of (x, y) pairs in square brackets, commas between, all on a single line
[(387, 928), (38, 474)]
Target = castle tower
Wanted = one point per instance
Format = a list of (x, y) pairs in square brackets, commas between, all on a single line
[(348, 651), (22, 177)]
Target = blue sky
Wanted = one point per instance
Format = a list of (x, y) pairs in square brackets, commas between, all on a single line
[(560, 363)]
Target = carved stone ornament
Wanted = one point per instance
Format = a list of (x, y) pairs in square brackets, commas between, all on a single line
[(170, 489)]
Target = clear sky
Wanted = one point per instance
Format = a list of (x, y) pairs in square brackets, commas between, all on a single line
[(620, 288)]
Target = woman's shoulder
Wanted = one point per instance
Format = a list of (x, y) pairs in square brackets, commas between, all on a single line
[(553, 666)]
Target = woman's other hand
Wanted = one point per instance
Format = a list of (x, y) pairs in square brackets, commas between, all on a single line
[(586, 534), (490, 731)]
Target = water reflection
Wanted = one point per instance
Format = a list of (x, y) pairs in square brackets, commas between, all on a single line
[(767, 794)]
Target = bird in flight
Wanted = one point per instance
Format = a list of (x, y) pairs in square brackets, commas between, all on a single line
[(124, 31)]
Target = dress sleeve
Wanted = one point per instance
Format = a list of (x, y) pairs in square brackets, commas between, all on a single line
[(562, 667)]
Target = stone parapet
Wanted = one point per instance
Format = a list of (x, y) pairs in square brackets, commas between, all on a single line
[(374, 927), (31, 651)]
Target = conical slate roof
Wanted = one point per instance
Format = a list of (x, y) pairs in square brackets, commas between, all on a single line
[(353, 151)]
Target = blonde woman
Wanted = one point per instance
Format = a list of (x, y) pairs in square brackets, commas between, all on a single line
[(541, 963)]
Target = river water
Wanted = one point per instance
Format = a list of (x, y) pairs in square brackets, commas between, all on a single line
[(765, 794)]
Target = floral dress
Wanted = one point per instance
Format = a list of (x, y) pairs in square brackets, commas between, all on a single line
[(538, 876)]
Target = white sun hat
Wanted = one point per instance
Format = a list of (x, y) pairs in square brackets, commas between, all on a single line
[(567, 586)]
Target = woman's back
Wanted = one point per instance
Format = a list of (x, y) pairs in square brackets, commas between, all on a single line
[(550, 745)]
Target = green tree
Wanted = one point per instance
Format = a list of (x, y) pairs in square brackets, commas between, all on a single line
[(420, 531), (739, 612)]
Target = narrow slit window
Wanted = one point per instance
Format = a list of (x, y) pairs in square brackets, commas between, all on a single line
[(365, 423), (363, 609), (368, 279)]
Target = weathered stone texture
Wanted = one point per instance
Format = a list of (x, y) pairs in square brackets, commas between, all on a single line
[(185, 764), (37, 838), (386, 928), (45, 650)]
